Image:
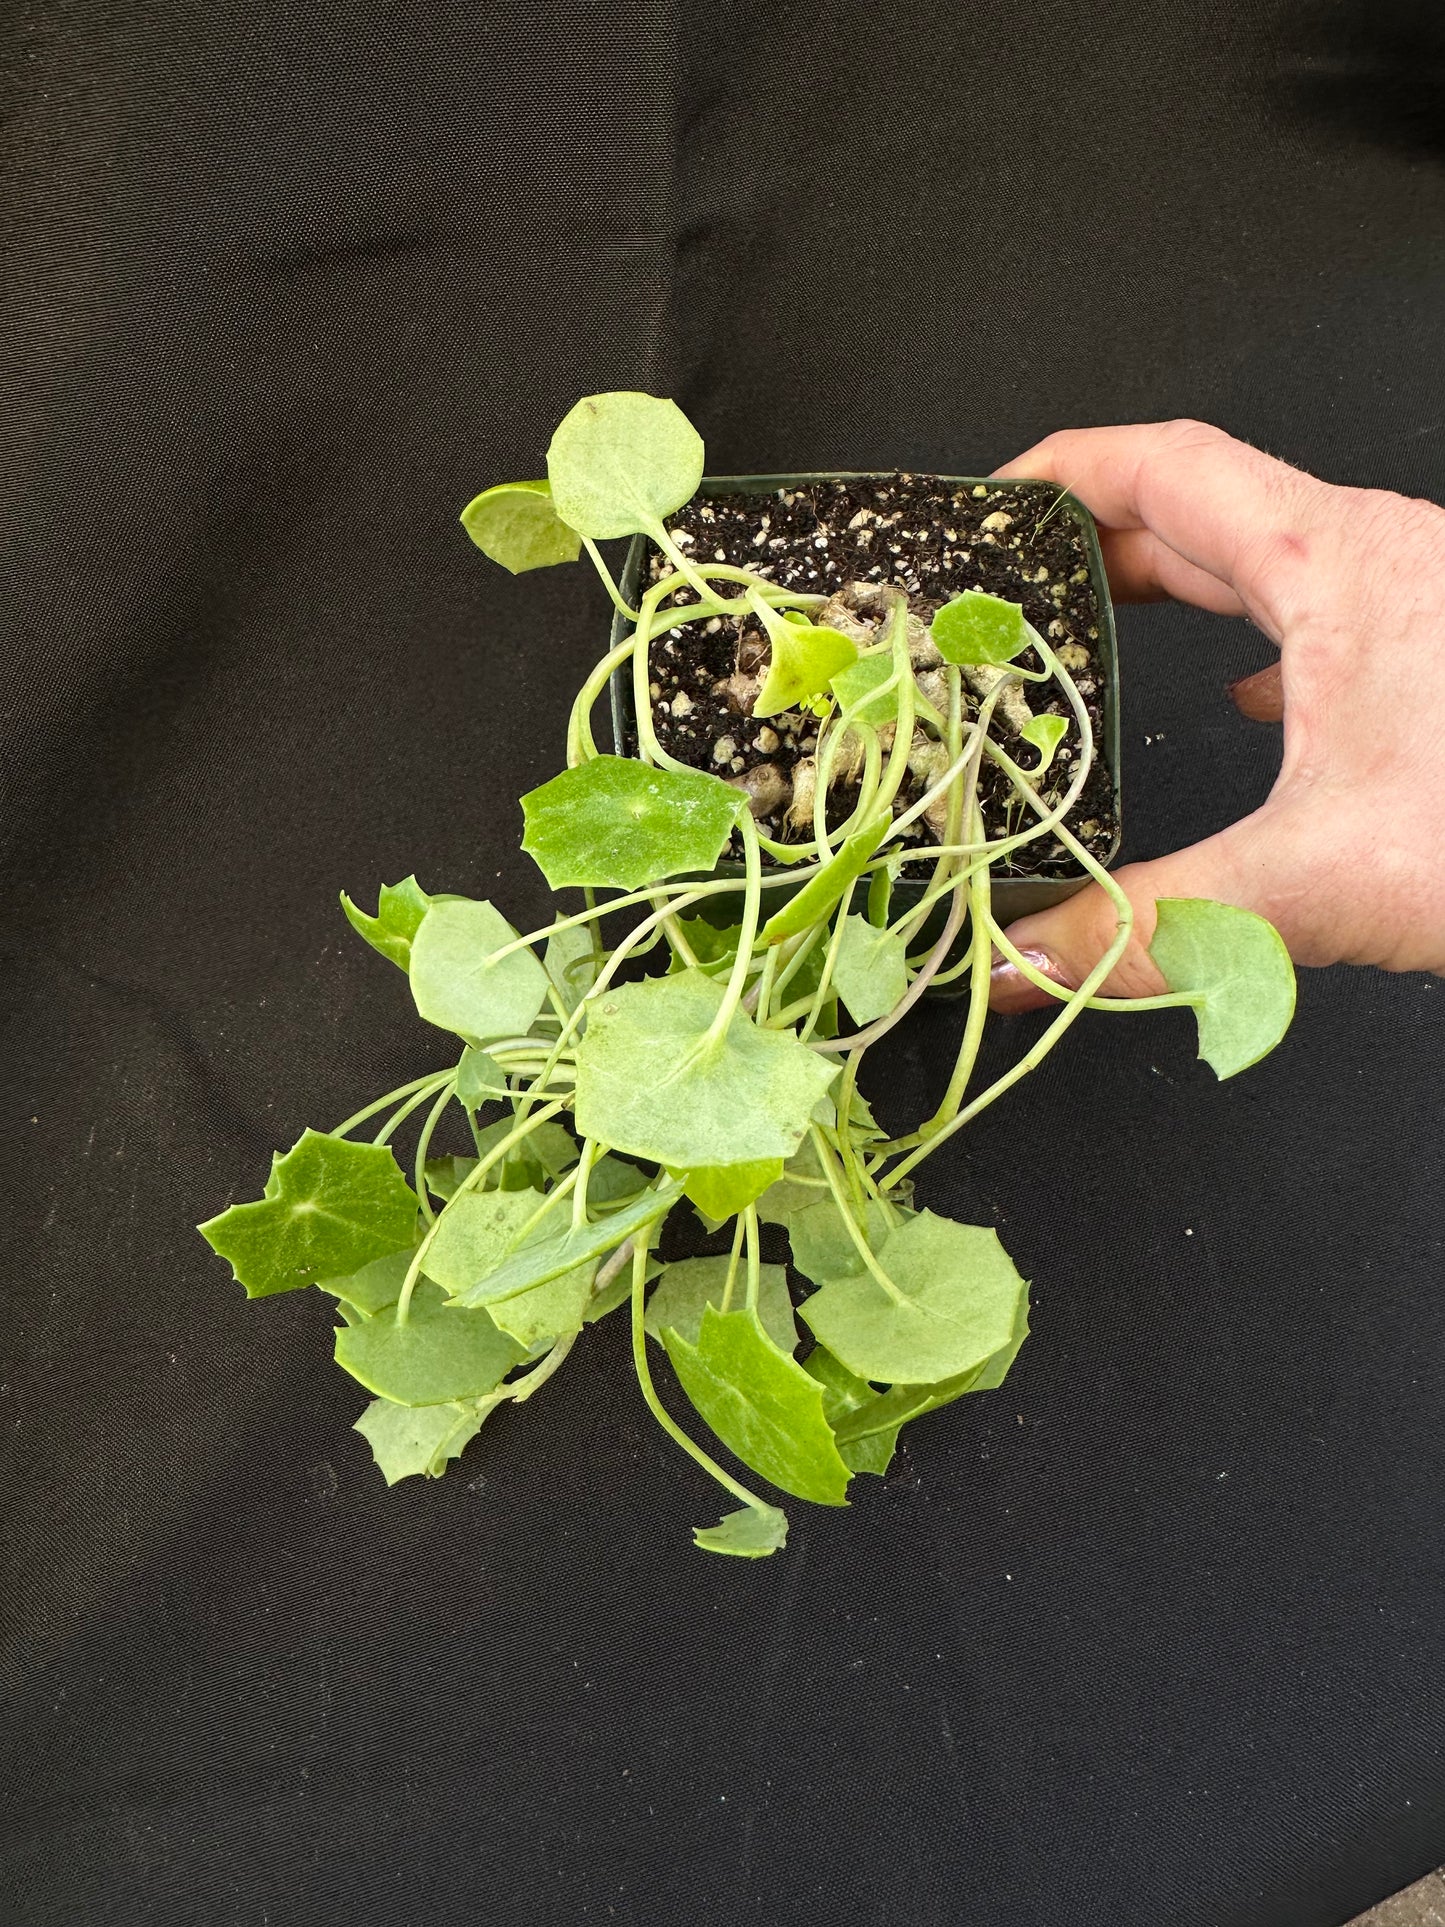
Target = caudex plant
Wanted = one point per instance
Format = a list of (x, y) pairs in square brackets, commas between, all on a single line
[(606, 1082)]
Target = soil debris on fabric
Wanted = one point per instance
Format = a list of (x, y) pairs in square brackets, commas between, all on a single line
[(930, 538)]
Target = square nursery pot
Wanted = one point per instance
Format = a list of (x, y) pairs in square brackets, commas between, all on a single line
[(1003, 571)]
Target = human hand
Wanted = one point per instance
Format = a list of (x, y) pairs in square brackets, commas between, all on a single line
[(1347, 856)]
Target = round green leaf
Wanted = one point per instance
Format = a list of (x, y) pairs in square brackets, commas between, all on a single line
[(650, 1086), (978, 628), (618, 823), (456, 988), (620, 463), (960, 1305), (516, 525), (1240, 972), (440, 1354)]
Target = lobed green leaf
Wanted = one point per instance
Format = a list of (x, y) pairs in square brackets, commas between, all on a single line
[(750, 1534), (803, 663), (439, 1355), (871, 971), (412, 1440), (980, 628), (618, 823), (330, 1207), (685, 1289), (399, 911)]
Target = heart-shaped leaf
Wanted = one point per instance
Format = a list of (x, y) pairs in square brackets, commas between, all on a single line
[(871, 971), (457, 988), (400, 909), (750, 1534), (978, 628), (516, 524), (761, 1404), (330, 1207), (440, 1354), (686, 1288), (411, 1440), (1237, 965), (617, 823), (960, 1295), (479, 1079), (620, 463), (652, 1083)]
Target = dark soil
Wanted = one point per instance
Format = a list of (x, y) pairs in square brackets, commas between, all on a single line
[(929, 539)]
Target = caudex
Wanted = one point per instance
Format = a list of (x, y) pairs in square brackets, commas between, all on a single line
[(728, 1077)]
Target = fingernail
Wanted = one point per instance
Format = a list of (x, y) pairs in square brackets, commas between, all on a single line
[(1010, 991)]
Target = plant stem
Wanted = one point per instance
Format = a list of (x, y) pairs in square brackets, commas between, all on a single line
[(978, 909), (755, 1256), (649, 1391), (734, 1258), (747, 935), (423, 1145), (432, 1079), (607, 582), (850, 1223), (523, 1388)]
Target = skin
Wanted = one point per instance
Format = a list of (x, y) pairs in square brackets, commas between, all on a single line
[(1347, 856)]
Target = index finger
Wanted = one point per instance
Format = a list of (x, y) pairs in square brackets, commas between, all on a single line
[(1185, 500)]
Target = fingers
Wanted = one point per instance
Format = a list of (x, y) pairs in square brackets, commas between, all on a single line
[(1144, 569), (1250, 524), (1260, 697), (1238, 866)]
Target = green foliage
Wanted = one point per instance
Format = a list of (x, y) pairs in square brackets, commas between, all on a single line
[(516, 525), (617, 822), (399, 912), (1238, 971), (688, 1286), (760, 1403), (803, 660), (330, 1207), (438, 1355), (653, 1081), (750, 1534), (872, 969), (412, 1440), (979, 628), (620, 463), (821, 894), (1045, 733), (459, 988), (710, 1055), (956, 1304), (720, 1191), (859, 689)]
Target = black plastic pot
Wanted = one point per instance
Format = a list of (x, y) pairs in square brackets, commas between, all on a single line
[(1013, 896)]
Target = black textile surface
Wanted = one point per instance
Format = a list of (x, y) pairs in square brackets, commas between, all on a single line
[(1153, 1635)]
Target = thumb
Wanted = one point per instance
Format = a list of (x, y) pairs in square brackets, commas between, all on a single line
[(1065, 942)]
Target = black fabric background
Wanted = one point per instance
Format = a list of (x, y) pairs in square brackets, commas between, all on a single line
[(1154, 1635)]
